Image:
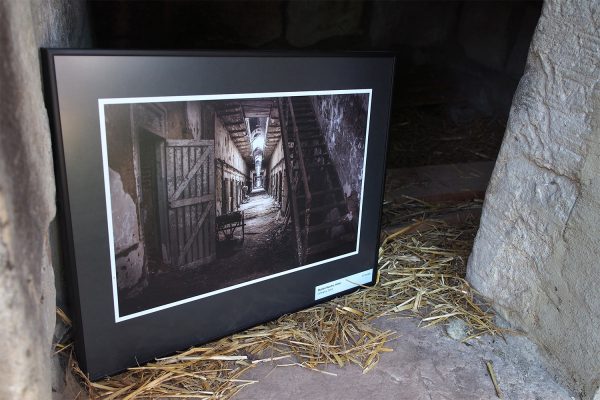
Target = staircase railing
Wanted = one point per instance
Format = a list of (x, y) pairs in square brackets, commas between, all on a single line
[(308, 197), (283, 119)]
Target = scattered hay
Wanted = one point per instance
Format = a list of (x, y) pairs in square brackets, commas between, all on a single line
[(424, 271), (408, 210), (421, 274)]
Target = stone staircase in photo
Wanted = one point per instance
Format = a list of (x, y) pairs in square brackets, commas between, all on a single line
[(325, 232)]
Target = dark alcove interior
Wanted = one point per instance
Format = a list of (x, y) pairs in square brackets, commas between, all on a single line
[(458, 62)]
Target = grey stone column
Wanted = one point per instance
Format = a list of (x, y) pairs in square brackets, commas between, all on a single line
[(27, 191), (537, 252)]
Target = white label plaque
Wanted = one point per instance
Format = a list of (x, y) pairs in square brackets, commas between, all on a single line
[(339, 285)]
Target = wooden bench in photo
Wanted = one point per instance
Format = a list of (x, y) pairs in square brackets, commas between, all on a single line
[(228, 223)]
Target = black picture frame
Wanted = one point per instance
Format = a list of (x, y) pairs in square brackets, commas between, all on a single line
[(90, 94)]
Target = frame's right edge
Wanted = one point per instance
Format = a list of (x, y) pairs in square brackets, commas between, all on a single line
[(384, 169)]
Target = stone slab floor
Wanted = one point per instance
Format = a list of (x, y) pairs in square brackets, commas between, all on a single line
[(425, 364)]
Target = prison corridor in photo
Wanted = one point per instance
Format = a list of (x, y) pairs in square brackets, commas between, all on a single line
[(210, 194)]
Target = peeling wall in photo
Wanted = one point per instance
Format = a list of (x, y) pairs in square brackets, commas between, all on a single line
[(129, 249), (343, 121)]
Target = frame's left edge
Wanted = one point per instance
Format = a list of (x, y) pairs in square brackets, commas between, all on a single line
[(62, 201)]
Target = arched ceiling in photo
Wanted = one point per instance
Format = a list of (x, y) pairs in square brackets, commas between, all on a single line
[(233, 114)]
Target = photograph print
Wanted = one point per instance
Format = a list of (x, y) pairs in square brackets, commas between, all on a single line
[(209, 193)]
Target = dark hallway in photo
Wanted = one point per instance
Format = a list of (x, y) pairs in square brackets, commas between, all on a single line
[(209, 194)]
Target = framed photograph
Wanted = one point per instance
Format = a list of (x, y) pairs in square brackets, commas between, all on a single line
[(203, 193)]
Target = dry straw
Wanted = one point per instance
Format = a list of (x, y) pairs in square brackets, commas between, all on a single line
[(422, 268)]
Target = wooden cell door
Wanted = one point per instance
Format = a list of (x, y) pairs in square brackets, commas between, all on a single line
[(191, 201)]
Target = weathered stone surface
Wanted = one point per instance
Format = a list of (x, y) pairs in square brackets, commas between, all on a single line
[(125, 222), (342, 119), (309, 22), (536, 253), (129, 250), (457, 329), (27, 193)]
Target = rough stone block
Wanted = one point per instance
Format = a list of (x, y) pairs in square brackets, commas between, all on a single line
[(27, 192), (536, 252)]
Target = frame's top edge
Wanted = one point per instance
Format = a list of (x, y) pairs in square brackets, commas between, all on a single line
[(217, 53)]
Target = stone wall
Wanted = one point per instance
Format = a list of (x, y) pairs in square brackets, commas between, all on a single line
[(27, 193), (128, 244), (343, 120), (277, 176), (230, 166), (536, 252)]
